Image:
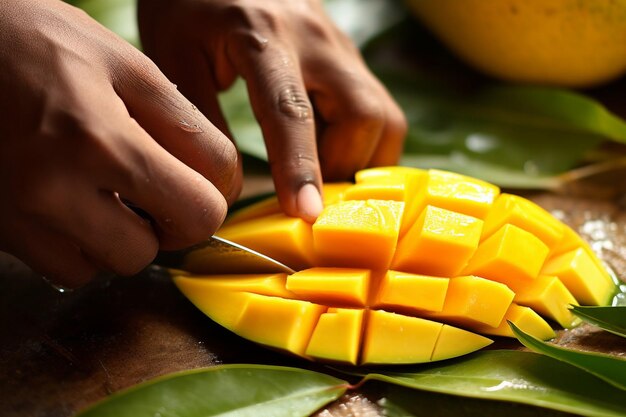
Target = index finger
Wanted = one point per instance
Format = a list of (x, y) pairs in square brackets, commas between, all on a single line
[(282, 107)]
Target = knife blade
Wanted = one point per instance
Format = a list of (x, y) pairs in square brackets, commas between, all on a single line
[(220, 256)]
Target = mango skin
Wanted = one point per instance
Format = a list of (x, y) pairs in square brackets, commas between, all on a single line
[(568, 43), (380, 284)]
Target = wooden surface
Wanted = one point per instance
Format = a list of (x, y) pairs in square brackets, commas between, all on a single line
[(62, 351)]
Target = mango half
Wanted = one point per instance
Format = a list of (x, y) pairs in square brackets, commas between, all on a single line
[(403, 266)]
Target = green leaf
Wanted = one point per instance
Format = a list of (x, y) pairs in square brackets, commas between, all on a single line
[(611, 319), (513, 135), (608, 368), (515, 376), (404, 402), (227, 390)]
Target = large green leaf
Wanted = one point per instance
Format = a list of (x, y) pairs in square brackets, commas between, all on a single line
[(228, 390), (515, 376), (399, 401), (612, 319), (611, 369), (513, 135)]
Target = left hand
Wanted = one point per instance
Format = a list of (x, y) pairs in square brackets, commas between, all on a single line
[(308, 85)]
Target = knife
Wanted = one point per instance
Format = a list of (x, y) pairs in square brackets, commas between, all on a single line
[(220, 256)]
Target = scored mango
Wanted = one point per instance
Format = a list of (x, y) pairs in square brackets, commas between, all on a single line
[(404, 266)]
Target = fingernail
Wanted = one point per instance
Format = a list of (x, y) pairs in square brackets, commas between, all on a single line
[(309, 202)]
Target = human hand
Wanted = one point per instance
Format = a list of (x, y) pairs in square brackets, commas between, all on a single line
[(303, 76), (88, 123)]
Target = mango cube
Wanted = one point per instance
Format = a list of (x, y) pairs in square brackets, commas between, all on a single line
[(224, 307), (287, 239), (525, 319), (372, 226), (582, 276), (401, 290), (472, 301), (396, 338), (549, 297), (394, 173), (512, 256), (337, 336), (403, 185), (523, 213), (342, 286), (278, 322), (439, 243), (459, 193)]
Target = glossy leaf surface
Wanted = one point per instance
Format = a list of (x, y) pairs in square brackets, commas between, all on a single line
[(515, 376), (611, 319), (611, 369), (228, 390)]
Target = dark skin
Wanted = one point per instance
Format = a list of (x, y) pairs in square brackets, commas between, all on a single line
[(91, 123)]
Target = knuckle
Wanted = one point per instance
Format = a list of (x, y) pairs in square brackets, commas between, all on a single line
[(398, 124), (225, 172), (252, 16), (294, 104), (198, 224), (367, 114)]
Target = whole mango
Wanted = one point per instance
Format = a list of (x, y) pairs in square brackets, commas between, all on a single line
[(573, 43)]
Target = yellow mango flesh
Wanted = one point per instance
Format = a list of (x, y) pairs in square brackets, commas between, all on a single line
[(331, 285), (524, 318), (289, 240), (372, 226), (452, 236), (523, 213), (337, 336), (548, 296), (405, 266), (472, 301), (396, 338), (401, 290), (581, 275), (512, 256)]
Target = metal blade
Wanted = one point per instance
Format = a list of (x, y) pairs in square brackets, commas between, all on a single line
[(220, 256)]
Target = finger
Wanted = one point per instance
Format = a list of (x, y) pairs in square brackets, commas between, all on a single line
[(53, 255), (282, 107), (108, 232), (176, 124), (118, 156), (186, 207), (194, 77), (353, 121)]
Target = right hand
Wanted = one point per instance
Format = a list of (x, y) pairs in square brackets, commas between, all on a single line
[(87, 123)]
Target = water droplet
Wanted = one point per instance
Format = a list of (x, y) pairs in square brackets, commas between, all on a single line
[(480, 143), (189, 127)]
